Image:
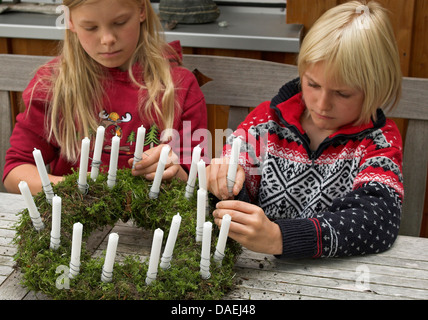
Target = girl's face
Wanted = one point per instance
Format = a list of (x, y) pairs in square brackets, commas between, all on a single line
[(108, 30), (330, 105)]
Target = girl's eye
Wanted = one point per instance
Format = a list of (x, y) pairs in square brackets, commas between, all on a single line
[(121, 23), (313, 85), (90, 28)]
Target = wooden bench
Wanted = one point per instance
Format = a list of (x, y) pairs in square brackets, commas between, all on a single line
[(244, 83)]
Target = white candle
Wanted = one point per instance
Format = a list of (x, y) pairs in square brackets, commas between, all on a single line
[(141, 135), (32, 209), (196, 155), (170, 242), (222, 238), (83, 170), (96, 158), (154, 256), (206, 249), (202, 175), (56, 223), (41, 168), (154, 190), (233, 164), (200, 214), (76, 248), (114, 155), (107, 273)]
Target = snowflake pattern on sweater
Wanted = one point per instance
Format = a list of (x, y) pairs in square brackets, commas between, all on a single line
[(342, 199)]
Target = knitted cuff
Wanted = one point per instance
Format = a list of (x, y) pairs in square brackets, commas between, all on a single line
[(300, 238)]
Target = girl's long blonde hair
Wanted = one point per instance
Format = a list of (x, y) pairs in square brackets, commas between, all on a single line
[(77, 84), (356, 42)]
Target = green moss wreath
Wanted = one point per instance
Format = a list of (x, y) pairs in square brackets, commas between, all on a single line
[(102, 206)]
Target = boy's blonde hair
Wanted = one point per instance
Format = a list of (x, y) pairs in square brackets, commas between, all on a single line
[(356, 42), (77, 85)]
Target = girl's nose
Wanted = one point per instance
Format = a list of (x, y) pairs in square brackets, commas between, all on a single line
[(108, 38)]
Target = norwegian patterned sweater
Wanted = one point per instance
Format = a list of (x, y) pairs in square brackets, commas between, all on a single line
[(340, 200)]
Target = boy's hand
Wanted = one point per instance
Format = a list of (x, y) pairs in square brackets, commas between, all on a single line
[(217, 178)]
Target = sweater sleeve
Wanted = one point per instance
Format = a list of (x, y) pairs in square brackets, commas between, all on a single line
[(30, 129)]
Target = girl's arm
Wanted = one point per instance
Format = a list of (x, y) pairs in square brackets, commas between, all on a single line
[(29, 174)]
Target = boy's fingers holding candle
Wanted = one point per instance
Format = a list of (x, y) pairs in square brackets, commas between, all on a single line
[(250, 226)]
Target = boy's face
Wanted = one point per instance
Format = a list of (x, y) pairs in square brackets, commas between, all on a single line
[(108, 30), (330, 105)]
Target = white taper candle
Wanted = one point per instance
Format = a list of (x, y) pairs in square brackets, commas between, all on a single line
[(200, 213), (107, 272), (83, 169), (32, 209), (191, 180), (141, 135), (96, 158), (76, 249), (233, 164), (206, 251), (114, 155), (41, 168), (56, 223), (163, 158), (222, 238), (154, 256), (202, 175), (170, 242)]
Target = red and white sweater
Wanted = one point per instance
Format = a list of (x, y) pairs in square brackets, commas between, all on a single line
[(343, 199)]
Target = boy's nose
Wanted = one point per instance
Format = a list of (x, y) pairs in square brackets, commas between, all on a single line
[(324, 102)]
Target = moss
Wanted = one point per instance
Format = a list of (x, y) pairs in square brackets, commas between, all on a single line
[(102, 206)]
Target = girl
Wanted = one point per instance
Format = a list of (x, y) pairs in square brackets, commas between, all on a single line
[(115, 70), (322, 167)]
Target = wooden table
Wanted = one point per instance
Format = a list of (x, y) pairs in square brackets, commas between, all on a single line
[(400, 273)]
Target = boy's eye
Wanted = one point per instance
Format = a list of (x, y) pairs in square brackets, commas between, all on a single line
[(343, 95)]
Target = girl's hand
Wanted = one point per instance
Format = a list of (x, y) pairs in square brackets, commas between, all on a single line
[(250, 226), (217, 179), (148, 165)]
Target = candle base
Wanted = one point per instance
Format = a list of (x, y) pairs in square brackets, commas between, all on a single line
[(136, 159), (55, 242), (95, 169), (199, 232), (48, 190), (106, 276), (74, 270), (151, 277), (205, 268), (38, 224), (83, 188), (111, 180), (189, 191), (153, 194), (165, 262), (218, 257)]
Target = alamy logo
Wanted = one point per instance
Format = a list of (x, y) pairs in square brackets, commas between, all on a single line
[(63, 20)]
